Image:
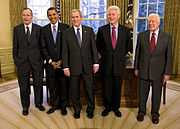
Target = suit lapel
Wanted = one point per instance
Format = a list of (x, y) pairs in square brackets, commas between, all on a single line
[(108, 37), (50, 34), (147, 41), (74, 37), (23, 32), (159, 41), (83, 35), (119, 36)]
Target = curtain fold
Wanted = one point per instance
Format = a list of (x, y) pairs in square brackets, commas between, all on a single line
[(65, 8), (172, 26), (15, 9), (123, 5)]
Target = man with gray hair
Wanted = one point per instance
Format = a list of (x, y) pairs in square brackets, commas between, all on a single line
[(153, 61), (113, 43), (79, 57)]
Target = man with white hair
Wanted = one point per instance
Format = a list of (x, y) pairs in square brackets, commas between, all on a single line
[(113, 43), (153, 61)]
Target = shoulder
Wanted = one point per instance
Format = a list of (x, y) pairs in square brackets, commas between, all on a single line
[(68, 30), (104, 27), (164, 33), (18, 26)]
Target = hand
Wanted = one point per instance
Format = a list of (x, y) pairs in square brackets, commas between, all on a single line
[(165, 78), (136, 72), (67, 72), (59, 63), (95, 68), (55, 65)]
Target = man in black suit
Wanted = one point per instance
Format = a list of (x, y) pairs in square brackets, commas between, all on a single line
[(52, 51), (153, 61), (27, 57), (80, 60), (113, 43)]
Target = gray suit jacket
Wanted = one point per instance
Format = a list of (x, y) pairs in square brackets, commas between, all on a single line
[(78, 58), (153, 66)]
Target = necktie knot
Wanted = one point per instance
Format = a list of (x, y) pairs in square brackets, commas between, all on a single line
[(54, 26), (113, 27)]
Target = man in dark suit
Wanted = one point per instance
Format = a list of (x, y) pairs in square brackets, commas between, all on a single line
[(113, 43), (52, 51), (80, 60), (153, 61), (27, 57)]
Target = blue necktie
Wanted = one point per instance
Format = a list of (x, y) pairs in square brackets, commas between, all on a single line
[(54, 33), (28, 33), (78, 37)]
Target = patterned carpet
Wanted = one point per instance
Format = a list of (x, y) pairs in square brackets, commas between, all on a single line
[(8, 85)]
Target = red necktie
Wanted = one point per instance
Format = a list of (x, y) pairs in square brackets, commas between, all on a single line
[(152, 43), (113, 37)]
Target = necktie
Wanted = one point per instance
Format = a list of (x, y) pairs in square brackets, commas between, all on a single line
[(54, 33), (152, 43), (28, 33), (78, 37), (113, 37)]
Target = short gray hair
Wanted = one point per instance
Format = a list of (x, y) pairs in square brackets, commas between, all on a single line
[(154, 14), (116, 8), (76, 10)]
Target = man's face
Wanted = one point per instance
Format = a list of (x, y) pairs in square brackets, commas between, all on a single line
[(153, 23), (27, 17), (53, 16), (113, 17), (76, 19)]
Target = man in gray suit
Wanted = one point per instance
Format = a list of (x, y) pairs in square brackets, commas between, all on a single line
[(79, 57), (153, 61), (27, 56)]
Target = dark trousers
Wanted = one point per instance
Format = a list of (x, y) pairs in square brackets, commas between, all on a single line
[(112, 91), (23, 70), (144, 89), (58, 86), (75, 91)]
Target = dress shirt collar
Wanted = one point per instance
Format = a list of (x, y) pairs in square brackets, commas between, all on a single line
[(114, 26), (156, 32), (53, 27), (75, 28), (30, 27)]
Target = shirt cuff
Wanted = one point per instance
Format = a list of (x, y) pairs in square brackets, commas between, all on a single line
[(49, 61), (66, 69), (96, 65)]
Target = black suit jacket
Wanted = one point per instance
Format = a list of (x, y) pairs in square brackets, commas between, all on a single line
[(113, 60), (153, 66), (78, 58), (24, 50), (50, 49)]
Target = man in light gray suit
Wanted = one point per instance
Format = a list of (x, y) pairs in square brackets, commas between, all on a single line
[(153, 61)]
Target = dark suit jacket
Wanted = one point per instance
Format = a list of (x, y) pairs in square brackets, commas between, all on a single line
[(153, 66), (113, 60), (51, 50), (76, 58), (22, 50)]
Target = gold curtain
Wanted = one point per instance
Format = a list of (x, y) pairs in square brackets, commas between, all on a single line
[(65, 7), (15, 9), (172, 26), (123, 5)]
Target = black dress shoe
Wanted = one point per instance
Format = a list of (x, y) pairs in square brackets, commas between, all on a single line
[(155, 119), (63, 111), (40, 107), (117, 113), (76, 115), (25, 111), (140, 117), (105, 112), (51, 110), (90, 114)]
